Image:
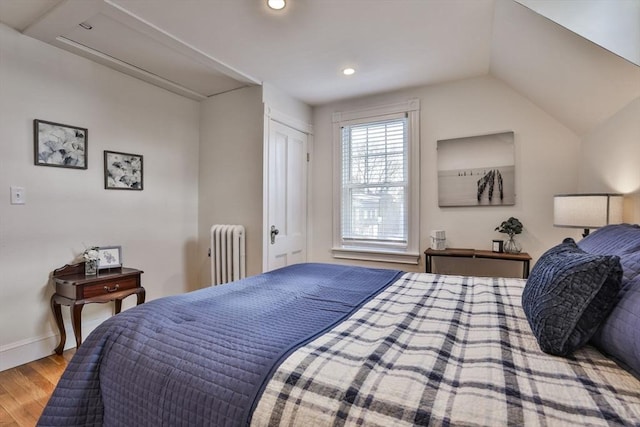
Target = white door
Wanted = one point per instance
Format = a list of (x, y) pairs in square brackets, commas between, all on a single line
[(286, 232)]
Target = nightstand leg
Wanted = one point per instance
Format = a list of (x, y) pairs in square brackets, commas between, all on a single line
[(118, 304), (57, 314), (76, 321), (140, 296)]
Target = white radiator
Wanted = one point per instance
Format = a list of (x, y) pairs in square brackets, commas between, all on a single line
[(227, 253)]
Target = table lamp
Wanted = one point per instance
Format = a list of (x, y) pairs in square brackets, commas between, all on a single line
[(587, 211)]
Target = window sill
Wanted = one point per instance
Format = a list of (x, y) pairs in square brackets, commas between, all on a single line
[(377, 255)]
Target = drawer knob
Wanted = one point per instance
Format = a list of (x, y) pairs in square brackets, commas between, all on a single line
[(115, 288)]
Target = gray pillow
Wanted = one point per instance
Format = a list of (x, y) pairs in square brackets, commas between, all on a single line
[(568, 294)]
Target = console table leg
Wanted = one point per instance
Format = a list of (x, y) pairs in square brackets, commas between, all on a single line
[(76, 321), (57, 314)]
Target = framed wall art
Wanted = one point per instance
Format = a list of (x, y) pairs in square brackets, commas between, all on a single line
[(59, 145), (109, 257), (477, 170), (122, 171)]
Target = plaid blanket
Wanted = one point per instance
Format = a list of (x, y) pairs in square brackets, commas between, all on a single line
[(445, 350)]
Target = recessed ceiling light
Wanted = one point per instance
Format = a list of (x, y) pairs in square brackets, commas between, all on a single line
[(276, 4), (348, 71)]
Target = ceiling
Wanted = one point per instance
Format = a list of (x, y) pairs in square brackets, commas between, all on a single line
[(200, 48)]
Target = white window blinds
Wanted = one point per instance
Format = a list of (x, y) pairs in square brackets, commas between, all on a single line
[(375, 183)]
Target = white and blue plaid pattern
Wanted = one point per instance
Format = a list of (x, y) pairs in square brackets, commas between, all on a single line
[(444, 350)]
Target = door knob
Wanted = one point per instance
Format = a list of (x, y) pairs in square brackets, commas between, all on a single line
[(274, 233)]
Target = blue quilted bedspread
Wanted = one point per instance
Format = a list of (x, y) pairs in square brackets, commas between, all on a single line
[(203, 358)]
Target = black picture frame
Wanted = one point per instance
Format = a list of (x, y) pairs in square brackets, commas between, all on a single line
[(123, 171), (60, 145)]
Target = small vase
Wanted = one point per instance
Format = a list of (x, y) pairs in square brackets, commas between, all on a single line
[(511, 246), (91, 267)]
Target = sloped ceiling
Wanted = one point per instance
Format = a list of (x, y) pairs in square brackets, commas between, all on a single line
[(200, 48), (576, 81), (614, 25)]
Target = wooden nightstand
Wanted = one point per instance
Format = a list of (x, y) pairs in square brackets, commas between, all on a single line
[(75, 289), (522, 257)]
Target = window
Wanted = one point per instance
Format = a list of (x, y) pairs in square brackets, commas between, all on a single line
[(374, 184), (376, 215)]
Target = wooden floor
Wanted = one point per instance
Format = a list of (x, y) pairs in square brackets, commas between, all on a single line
[(25, 390)]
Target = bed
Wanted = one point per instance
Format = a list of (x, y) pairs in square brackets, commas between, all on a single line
[(319, 344)]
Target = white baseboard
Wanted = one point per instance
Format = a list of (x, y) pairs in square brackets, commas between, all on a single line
[(25, 351)]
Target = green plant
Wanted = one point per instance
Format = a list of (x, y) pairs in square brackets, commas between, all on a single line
[(511, 226)]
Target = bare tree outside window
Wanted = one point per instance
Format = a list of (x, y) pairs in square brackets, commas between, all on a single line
[(374, 182)]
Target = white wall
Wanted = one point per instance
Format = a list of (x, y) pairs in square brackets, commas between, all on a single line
[(292, 108), (67, 209), (547, 161), (230, 165), (611, 159), (232, 143)]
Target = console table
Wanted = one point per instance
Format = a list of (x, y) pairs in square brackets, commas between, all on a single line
[(522, 257), (75, 289)]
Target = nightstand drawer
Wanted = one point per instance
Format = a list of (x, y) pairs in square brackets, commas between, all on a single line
[(109, 287)]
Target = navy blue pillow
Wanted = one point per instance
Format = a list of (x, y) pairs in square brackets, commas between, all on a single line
[(619, 334), (568, 294), (622, 240)]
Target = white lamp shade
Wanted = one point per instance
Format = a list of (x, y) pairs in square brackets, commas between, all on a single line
[(587, 210)]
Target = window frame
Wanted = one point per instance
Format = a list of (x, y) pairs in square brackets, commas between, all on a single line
[(380, 252)]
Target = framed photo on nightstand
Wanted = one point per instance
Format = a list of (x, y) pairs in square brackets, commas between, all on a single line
[(109, 257)]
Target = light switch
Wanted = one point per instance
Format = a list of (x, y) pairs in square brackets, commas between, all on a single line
[(18, 196)]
